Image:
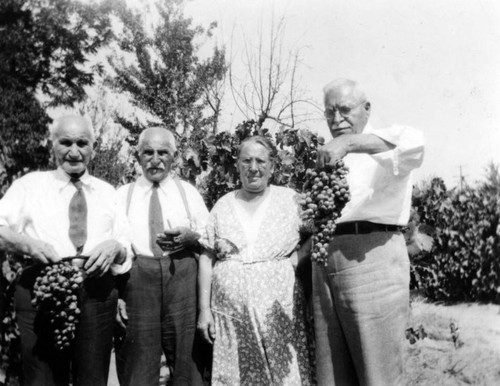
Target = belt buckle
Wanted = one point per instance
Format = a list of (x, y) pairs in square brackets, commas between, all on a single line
[(356, 228)]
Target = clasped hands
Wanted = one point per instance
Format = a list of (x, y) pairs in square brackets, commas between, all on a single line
[(176, 239)]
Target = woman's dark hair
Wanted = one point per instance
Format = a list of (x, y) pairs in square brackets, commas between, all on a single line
[(266, 142)]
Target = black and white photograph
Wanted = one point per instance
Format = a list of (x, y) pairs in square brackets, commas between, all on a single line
[(236, 192)]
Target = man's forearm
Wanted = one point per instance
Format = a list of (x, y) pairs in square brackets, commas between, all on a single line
[(13, 242), (366, 143)]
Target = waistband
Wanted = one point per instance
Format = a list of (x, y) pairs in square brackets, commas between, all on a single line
[(173, 256), (363, 227)]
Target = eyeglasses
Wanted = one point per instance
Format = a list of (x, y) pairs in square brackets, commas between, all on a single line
[(342, 110)]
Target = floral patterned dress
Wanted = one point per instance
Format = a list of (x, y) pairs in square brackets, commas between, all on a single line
[(257, 304)]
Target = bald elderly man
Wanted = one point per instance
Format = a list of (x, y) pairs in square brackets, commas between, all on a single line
[(158, 311), (361, 297), (38, 220)]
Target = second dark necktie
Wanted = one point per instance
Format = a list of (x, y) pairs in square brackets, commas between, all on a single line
[(155, 220), (78, 217)]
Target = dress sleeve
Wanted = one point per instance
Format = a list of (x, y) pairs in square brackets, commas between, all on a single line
[(208, 234), (12, 206), (409, 151)]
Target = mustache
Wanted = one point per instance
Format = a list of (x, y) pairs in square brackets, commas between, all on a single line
[(159, 167)]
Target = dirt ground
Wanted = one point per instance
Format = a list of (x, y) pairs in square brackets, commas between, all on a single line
[(472, 359)]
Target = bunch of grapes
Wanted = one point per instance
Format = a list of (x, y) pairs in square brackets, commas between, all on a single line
[(325, 194), (56, 293)]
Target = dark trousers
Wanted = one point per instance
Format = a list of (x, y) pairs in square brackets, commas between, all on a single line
[(160, 294), (87, 361)]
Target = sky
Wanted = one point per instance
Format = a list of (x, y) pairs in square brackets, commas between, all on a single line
[(430, 64)]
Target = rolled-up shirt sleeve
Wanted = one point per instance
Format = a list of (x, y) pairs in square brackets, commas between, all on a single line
[(199, 211), (408, 153), (12, 206)]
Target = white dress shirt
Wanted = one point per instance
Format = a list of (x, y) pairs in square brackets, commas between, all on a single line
[(381, 184), (173, 210), (37, 205)]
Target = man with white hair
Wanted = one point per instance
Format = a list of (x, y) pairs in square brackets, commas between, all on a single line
[(166, 217), (63, 213), (361, 298)]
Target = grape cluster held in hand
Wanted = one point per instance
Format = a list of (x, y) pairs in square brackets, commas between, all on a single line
[(325, 194), (56, 293)]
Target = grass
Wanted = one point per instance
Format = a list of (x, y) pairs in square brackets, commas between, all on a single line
[(472, 359)]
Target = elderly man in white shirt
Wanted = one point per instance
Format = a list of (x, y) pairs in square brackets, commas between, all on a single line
[(166, 217), (361, 298), (37, 221)]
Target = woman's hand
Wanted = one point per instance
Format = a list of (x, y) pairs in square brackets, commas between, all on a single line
[(206, 325)]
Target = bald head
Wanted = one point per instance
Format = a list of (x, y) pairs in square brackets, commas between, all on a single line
[(72, 123), (347, 108), (157, 132), (344, 87), (156, 152)]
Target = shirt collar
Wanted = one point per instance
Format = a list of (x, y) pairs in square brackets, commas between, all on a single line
[(64, 179), (147, 185)]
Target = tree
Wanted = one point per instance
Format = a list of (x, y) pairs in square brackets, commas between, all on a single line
[(167, 79), (270, 89), (112, 161), (44, 45)]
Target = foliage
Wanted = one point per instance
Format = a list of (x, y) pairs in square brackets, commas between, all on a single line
[(112, 161), (10, 357), (43, 47), (296, 151), (23, 135), (44, 43), (464, 263), (167, 79)]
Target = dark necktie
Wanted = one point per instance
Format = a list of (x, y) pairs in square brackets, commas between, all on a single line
[(155, 221), (78, 217)]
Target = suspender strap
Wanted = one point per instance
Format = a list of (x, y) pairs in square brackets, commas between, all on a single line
[(184, 200)]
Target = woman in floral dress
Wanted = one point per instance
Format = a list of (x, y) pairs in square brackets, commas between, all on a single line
[(251, 305)]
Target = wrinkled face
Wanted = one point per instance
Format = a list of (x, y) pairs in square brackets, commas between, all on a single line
[(156, 155), (73, 147), (346, 111), (255, 167)]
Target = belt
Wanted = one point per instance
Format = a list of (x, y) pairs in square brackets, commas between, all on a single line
[(362, 227)]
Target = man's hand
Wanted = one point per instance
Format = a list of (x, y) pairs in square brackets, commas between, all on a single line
[(102, 256), (176, 239), (39, 251), (42, 252), (206, 325), (121, 313), (334, 150)]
